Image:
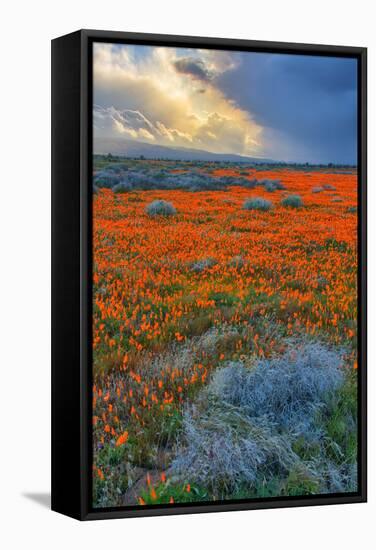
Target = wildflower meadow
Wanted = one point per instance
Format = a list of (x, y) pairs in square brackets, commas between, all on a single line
[(224, 331)]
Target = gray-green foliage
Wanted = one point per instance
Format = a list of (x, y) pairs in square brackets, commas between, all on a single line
[(257, 203), (286, 389), (226, 448), (292, 201), (122, 187), (192, 178), (266, 422), (160, 208), (272, 185)]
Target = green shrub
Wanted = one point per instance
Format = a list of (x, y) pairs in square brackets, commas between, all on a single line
[(292, 201), (122, 187), (160, 208), (257, 203)]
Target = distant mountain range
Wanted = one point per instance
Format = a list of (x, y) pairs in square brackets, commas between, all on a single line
[(130, 148)]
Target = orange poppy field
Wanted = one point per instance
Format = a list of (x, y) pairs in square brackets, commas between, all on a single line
[(194, 305)]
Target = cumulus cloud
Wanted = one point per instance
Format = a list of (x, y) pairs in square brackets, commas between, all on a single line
[(110, 122), (286, 107), (193, 67), (169, 96)]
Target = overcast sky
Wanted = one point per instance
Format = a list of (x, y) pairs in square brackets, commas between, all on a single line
[(285, 107)]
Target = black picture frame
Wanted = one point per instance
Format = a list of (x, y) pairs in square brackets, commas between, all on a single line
[(71, 271)]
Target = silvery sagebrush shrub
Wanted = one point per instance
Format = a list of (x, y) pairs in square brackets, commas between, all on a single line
[(243, 426), (257, 203), (285, 389), (106, 179), (122, 187), (192, 180), (337, 478), (279, 185), (270, 187), (160, 208), (225, 448), (292, 201)]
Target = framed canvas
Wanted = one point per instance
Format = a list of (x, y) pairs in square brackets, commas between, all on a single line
[(208, 274)]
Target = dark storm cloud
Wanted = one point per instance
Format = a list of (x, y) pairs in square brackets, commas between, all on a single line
[(193, 67), (307, 105)]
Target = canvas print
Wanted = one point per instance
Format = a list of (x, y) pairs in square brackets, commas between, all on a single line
[(224, 283)]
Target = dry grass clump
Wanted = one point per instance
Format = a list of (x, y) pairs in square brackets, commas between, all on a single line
[(226, 448), (286, 389), (253, 425)]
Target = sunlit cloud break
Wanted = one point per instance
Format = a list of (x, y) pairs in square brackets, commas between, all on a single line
[(285, 107), (169, 97)]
